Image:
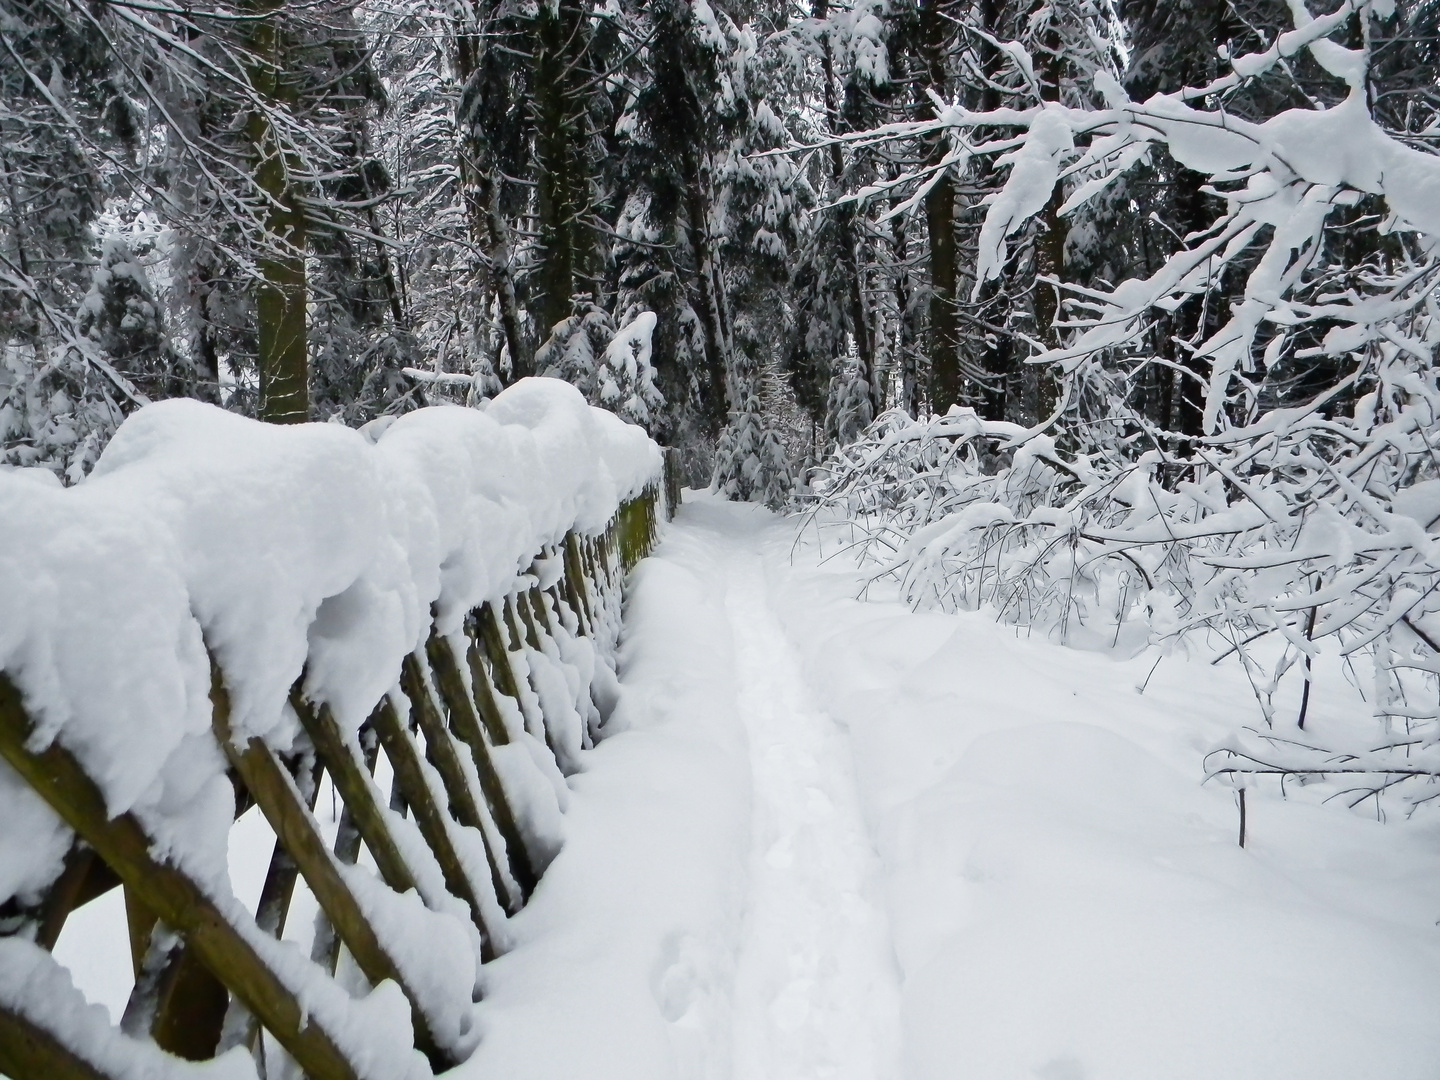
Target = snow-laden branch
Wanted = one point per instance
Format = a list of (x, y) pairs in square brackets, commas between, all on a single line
[(1315, 525)]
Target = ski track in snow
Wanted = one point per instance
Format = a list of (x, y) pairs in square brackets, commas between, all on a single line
[(816, 992)]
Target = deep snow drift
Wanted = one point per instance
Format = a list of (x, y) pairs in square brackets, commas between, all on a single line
[(1059, 896)]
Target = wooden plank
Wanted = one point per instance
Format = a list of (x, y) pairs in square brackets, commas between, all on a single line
[(85, 878), (561, 601), (325, 946), (172, 894), (498, 650), (466, 725), (29, 1052), (540, 612), (82, 878), (517, 640), (462, 704), (484, 687), (176, 1000), (441, 752), (439, 746), (295, 827), (431, 820), (352, 781), (139, 922), (241, 1027), (278, 888), (190, 1008), (575, 582), (526, 619)]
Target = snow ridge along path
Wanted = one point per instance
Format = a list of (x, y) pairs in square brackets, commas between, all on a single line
[(816, 992)]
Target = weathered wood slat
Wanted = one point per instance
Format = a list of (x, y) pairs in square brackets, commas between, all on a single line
[(84, 878), (499, 652), (352, 781), (526, 619), (484, 686), (171, 893), (430, 819), (188, 1009), (241, 1027), (296, 828), (325, 948), (440, 749), (577, 583), (512, 624), (29, 1052)]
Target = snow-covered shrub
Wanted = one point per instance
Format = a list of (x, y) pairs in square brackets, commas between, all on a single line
[(1305, 511), (751, 463), (610, 367), (625, 378), (848, 409)]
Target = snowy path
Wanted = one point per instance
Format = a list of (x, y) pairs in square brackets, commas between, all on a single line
[(832, 840), (816, 988)]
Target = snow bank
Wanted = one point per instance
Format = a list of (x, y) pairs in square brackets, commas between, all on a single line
[(623, 960), (1066, 894)]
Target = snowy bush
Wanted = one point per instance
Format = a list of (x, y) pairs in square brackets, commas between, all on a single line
[(1307, 517), (752, 463), (625, 378), (610, 367)]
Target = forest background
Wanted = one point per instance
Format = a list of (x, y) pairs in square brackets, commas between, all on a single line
[(341, 211)]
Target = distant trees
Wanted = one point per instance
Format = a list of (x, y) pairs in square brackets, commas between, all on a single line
[(336, 211)]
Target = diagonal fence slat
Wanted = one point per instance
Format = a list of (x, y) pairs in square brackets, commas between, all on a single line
[(431, 819), (352, 781), (27, 1049), (174, 896), (295, 826)]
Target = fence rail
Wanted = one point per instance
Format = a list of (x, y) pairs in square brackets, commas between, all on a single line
[(209, 977)]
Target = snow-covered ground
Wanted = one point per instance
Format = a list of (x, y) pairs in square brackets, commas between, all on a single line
[(836, 839), (840, 839)]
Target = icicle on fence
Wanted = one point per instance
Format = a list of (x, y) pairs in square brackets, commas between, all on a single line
[(451, 842)]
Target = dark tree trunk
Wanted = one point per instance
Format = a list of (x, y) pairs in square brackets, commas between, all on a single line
[(944, 338), (283, 358), (845, 231), (560, 174), (705, 287), (1050, 244)]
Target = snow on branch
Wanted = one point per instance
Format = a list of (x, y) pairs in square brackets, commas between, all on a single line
[(1312, 524)]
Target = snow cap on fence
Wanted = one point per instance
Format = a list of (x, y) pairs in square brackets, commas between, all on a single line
[(279, 548)]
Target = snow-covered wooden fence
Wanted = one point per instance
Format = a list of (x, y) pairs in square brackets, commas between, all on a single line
[(207, 624)]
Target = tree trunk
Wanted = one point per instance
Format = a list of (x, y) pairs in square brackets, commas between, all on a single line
[(489, 221), (845, 228), (559, 174), (1050, 244), (706, 287), (944, 339), (905, 343), (283, 357)]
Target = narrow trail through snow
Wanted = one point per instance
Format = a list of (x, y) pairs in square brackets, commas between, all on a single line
[(816, 992)]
